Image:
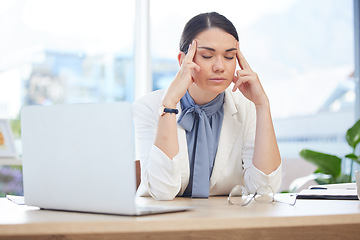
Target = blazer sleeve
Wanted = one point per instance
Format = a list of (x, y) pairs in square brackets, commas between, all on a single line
[(253, 177), (160, 175)]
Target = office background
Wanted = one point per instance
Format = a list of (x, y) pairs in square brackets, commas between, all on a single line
[(54, 52)]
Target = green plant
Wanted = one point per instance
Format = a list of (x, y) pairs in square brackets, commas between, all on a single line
[(15, 127), (329, 166)]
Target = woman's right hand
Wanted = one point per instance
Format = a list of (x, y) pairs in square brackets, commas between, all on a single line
[(183, 79)]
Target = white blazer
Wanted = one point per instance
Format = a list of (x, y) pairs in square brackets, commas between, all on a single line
[(164, 178)]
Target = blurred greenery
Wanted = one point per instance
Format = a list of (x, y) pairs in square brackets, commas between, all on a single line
[(11, 176), (16, 127), (11, 180), (330, 165)]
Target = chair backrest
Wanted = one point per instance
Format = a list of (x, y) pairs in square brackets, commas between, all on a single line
[(138, 173)]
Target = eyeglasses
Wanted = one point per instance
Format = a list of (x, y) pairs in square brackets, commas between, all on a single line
[(239, 195)]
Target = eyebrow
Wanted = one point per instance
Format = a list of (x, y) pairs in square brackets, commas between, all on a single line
[(212, 49)]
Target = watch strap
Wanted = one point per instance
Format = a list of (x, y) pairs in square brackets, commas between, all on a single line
[(171, 110)]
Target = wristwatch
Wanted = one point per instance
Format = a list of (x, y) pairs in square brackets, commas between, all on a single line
[(163, 110)]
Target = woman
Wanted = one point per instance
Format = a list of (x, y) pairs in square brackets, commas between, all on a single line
[(208, 136)]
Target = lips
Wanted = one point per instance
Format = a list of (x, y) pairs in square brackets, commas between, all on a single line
[(217, 79)]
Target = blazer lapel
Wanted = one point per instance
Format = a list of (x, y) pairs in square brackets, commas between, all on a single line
[(229, 133)]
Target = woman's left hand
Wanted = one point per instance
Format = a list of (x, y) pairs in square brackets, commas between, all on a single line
[(247, 81)]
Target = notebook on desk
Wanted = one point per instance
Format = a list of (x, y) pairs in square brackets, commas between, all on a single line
[(80, 157), (342, 191)]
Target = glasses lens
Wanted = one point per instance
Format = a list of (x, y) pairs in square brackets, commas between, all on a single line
[(238, 195), (264, 194)]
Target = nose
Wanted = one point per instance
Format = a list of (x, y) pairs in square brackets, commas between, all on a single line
[(218, 64)]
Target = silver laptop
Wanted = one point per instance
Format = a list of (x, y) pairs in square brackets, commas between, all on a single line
[(80, 157)]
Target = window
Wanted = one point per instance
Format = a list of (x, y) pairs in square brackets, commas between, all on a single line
[(65, 52)]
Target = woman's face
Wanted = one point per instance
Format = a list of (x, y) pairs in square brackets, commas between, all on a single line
[(216, 56)]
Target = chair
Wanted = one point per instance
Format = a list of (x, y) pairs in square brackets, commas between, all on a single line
[(138, 173)]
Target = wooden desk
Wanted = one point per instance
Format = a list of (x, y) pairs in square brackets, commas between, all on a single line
[(212, 219)]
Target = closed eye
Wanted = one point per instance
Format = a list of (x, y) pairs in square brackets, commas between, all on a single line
[(207, 57), (229, 58)]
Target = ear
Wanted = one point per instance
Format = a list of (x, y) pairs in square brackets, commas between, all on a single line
[(181, 57)]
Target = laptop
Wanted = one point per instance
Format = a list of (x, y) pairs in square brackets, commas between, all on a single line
[(80, 157)]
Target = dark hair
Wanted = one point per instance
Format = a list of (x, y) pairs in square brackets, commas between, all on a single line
[(202, 22)]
